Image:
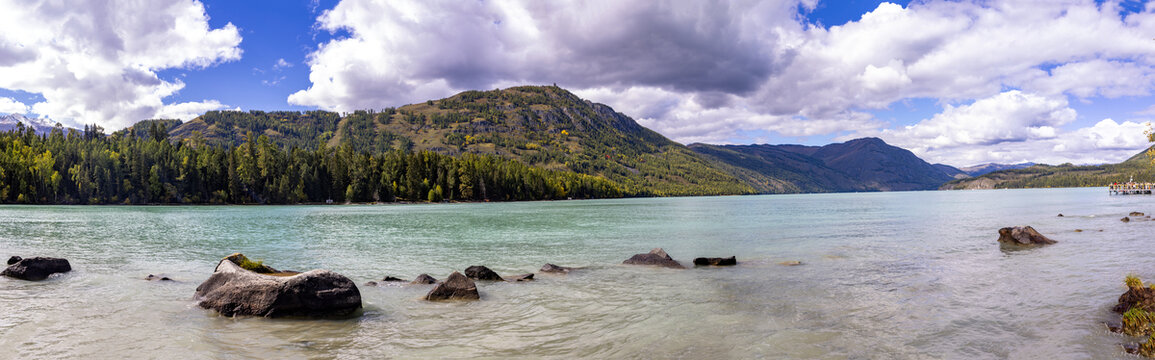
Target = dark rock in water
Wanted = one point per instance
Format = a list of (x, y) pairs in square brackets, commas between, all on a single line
[(1130, 348), (790, 263), (455, 287), (393, 279), (1136, 214), (1142, 297), (1113, 326), (551, 268), (36, 268), (1022, 236), (657, 257), (14, 259), (703, 261), (152, 277), (424, 279), (233, 290), (371, 283), (520, 278), (479, 272), (1060, 214), (1125, 219)]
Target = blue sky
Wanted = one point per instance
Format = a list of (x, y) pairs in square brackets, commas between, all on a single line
[(958, 82)]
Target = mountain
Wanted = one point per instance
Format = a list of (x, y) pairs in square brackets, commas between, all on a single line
[(39, 125), (551, 128), (952, 171), (979, 170), (867, 164), (1138, 167), (774, 169), (542, 126)]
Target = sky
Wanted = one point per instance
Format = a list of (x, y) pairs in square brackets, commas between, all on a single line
[(956, 82)]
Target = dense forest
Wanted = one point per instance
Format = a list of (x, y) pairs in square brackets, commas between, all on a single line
[(142, 165)]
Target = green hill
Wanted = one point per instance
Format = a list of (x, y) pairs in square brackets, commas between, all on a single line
[(541, 126), (1138, 167)]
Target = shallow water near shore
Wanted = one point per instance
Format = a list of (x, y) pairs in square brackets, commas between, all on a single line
[(884, 275)]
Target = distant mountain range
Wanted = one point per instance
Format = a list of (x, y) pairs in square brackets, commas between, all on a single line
[(40, 125), (867, 164), (979, 170), (1138, 167)]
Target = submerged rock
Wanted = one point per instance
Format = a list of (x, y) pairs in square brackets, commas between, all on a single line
[(152, 277), (551, 268), (455, 287), (520, 278), (371, 283), (657, 257), (790, 263), (1125, 219), (36, 268), (233, 290), (704, 261), (479, 272), (424, 279), (1022, 236), (393, 279), (1136, 214)]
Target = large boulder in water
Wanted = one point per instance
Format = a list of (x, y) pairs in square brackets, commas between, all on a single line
[(1022, 236), (657, 257), (455, 287), (479, 272), (233, 290), (36, 268), (704, 261)]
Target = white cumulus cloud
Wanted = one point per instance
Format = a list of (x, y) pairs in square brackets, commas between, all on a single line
[(11, 106), (408, 51), (738, 71), (97, 61)]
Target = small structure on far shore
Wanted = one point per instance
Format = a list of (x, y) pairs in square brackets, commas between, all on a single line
[(1130, 188)]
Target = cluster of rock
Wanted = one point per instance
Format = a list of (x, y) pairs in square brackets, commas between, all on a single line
[(35, 268), (659, 257), (1135, 215), (241, 287)]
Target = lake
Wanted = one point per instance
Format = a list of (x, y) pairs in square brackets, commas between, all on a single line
[(884, 275)]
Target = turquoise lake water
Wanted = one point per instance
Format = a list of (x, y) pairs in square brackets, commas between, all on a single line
[(884, 276)]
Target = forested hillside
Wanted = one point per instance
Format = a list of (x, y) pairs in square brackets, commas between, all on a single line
[(521, 143), (541, 126), (88, 167), (1138, 167)]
